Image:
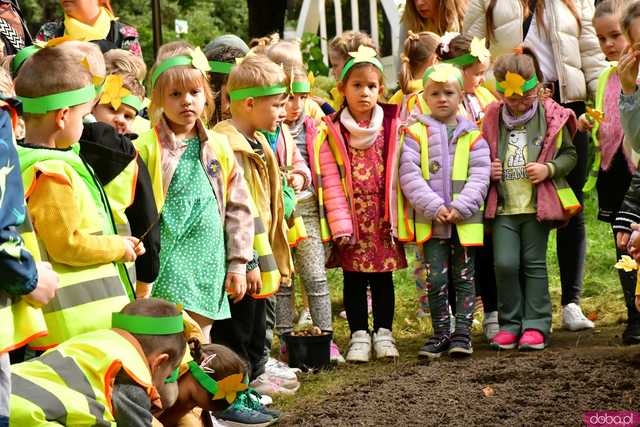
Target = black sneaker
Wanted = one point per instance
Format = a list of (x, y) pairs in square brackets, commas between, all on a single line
[(460, 346), (631, 334), (435, 347)]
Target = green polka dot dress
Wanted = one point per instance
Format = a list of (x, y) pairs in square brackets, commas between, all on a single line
[(192, 251)]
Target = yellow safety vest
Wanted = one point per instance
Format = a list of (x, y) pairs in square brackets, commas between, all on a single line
[(72, 384), (87, 295), (568, 199), (603, 79), (296, 230), (120, 192), (21, 322), (412, 227)]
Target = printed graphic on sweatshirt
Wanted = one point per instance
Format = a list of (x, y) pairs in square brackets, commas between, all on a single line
[(518, 190)]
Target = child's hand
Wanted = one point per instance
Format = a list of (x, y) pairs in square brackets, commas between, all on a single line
[(442, 214), (454, 216), (143, 290), (628, 70), (236, 286), (622, 240), (584, 125), (138, 246), (129, 250), (342, 241), (496, 170), (318, 100), (638, 302), (46, 288), (633, 247), (254, 281), (537, 172), (296, 181)]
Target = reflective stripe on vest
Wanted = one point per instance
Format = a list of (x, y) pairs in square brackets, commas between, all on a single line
[(87, 295), (297, 232), (269, 272), (325, 231), (72, 384), (568, 199), (592, 178), (412, 227), (21, 322)]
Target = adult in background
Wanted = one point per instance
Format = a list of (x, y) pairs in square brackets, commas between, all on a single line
[(92, 21), (561, 36)]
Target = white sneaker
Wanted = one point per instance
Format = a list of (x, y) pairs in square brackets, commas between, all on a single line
[(266, 384), (490, 325), (304, 319), (280, 370), (384, 345), (265, 400), (359, 347), (573, 319)]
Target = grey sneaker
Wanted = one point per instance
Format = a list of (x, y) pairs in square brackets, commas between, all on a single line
[(435, 346), (240, 414)]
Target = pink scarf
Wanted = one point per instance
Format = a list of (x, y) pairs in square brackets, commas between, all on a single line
[(610, 133)]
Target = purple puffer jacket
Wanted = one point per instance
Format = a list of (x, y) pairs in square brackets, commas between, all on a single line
[(427, 197)]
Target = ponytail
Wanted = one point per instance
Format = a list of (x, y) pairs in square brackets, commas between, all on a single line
[(418, 49)]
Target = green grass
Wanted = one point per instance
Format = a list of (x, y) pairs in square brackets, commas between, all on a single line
[(602, 297)]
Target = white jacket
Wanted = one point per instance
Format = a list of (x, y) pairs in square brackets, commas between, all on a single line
[(576, 52)]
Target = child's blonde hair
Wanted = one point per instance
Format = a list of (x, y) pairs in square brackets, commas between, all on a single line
[(255, 71), (449, 18), (120, 61), (59, 69), (260, 45), (131, 82), (285, 52), (350, 41), (180, 77), (295, 73), (418, 48)]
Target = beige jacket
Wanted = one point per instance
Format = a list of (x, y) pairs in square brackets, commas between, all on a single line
[(577, 54)]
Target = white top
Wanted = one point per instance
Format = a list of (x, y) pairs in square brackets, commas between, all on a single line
[(538, 41)]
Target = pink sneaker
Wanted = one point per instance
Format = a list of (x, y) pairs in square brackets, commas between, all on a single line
[(504, 341), (531, 339), (334, 353)]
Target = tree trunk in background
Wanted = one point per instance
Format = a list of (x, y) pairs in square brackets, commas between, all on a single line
[(266, 17)]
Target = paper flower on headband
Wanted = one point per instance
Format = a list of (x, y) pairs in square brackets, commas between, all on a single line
[(200, 61), (514, 83), (96, 78), (479, 49), (194, 58), (229, 387), (52, 42), (445, 40), (595, 115), (363, 54), (443, 73), (626, 263), (113, 91)]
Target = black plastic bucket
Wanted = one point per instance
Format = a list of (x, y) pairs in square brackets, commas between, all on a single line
[(309, 352)]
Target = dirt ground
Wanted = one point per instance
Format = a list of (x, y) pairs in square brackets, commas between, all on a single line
[(579, 372)]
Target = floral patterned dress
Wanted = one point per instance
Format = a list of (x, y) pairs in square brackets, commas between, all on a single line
[(375, 251)]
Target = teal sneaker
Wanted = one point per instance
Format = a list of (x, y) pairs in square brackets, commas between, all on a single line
[(253, 401), (240, 414)]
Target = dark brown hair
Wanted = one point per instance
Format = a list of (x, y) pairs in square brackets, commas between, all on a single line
[(217, 81), (631, 12), (525, 7), (525, 64), (418, 48), (459, 45)]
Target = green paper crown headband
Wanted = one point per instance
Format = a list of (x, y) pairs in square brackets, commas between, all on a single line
[(133, 101), (443, 73), (256, 92), (364, 54), (220, 67), (22, 56), (148, 325), (478, 52), (462, 60), (300, 87), (514, 83), (195, 60), (56, 101)]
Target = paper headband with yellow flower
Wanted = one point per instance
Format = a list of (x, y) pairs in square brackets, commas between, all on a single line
[(254, 91), (514, 83), (114, 93), (443, 73), (195, 58), (226, 388), (27, 52), (365, 54), (478, 52)]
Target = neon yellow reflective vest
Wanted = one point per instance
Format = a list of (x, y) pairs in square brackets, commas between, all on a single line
[(413, 227), (87, 295), (72, 384), (603, 79), (21, 322)]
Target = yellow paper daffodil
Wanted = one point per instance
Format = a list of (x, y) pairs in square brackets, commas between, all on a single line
[(200, 61), (444, 73), (229, 387), (52, 42), (113, 91), (594, 115), (364, 54), (97, 79), (626, 263), (479, 49), (513, 83), (312, 78)]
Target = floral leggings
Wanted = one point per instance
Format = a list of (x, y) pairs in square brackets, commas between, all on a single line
[(444, 260), (309, 264)]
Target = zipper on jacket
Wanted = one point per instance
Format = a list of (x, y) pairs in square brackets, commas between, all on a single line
[(446, 165)]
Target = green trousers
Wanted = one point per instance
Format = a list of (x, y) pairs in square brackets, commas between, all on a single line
[(520, 260)]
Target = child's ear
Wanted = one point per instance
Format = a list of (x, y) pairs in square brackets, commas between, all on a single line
[(249, 103), (381, 91), (61, 117), (156, 361)]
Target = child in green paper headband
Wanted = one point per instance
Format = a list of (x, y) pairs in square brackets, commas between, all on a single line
[(108, 376), (120, 102), (65, 200), (221, 58), (530, 139)]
